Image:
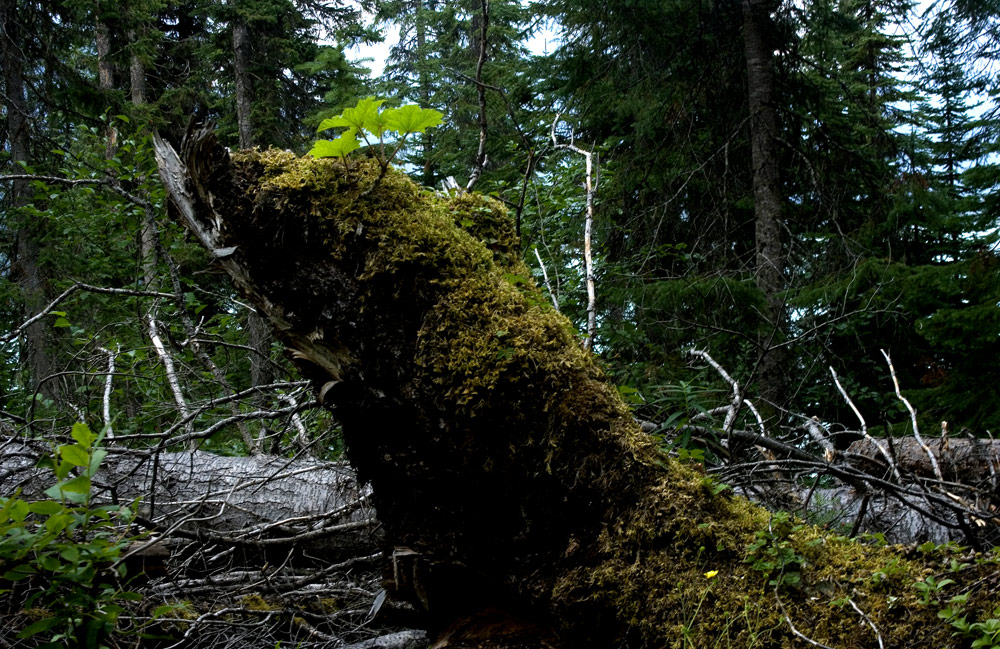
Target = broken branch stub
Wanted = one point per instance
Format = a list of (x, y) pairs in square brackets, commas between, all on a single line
[(498, 454)]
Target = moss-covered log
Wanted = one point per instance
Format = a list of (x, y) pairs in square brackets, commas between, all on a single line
[(500, 457)]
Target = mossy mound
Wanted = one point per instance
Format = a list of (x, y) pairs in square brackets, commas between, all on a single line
[(500, 454)]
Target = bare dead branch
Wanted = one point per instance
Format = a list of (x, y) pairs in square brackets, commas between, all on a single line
[(734, 407), (816, 431), (477, 170), (864, 427), (791, 626), (72, 289), (110, 183), (588, 262), (545, 277), (168, 367), (913, 417), (106, 399)]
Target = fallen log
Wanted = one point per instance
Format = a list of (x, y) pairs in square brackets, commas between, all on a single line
[(970, 461), (259, 501), (508, 474)]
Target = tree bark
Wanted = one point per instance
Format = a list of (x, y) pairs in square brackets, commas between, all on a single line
[(105, 72), (507, 472), (770, 258), (422, 60), (258, 330), (37, 341), (244, 82), (136, 71), (102, 39)]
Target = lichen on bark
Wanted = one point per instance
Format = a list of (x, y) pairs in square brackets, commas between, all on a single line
[(501, 455)]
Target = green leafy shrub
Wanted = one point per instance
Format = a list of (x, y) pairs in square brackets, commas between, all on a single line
[(61, 554), (774, 554), (373, 123)]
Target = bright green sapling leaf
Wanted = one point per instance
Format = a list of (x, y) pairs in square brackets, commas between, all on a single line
[(365, 115), (332, 122), (412, 119), (338, 148), (83, 435), (74, 454)]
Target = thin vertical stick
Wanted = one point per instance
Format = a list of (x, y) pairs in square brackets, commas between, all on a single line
[(913, 418), (481, 89), (168, 367), (109, 432), (588, 262), (864, 426), (545, 276)]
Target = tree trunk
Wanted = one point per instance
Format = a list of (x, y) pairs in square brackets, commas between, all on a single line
[(770, 261), (105, 73), (258, 330), (244, 83), (512, 482), (136, 71), (424, 84), (37, 342)]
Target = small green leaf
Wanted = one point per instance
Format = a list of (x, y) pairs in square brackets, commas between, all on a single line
[(62, 470), (162, 610), (42, 625), (74, 454), (82, 434), (338, 148), (128, 596), (95, 460), (332, 122), (19, 510), (60, 323), (45, 507), (74, 490), (412, 119), (78, 485), (17, 573), (365, 115)]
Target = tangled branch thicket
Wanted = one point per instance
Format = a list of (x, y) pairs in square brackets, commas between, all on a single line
[(898, 489)]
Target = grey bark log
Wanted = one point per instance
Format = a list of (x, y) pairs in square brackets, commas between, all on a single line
[(968, 461), (251, 500), (413, 639)]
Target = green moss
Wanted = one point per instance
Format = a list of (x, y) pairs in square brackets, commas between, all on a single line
[(255, 602), (496, 446)]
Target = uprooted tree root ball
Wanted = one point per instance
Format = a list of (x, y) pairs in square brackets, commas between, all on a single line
[(502, 461)]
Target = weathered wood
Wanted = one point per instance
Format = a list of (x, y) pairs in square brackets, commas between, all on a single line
[(259, 501), (969, 461)]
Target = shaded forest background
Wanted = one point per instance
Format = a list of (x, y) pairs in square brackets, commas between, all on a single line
[(788, 189)]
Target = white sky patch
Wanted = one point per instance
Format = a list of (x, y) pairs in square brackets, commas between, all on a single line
[(544, 41), (377, 53)]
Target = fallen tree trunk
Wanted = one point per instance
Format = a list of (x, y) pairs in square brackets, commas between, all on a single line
[(508, 474), (959, 460), (259, 501)]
